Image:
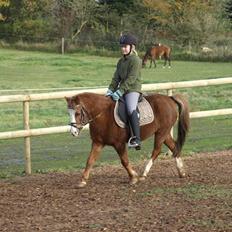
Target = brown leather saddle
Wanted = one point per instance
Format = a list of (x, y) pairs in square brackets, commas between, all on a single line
[(144, 109)]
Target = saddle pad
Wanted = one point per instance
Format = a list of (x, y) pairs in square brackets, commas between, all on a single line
[(146, 114)]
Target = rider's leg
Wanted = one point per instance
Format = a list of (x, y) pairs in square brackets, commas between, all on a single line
[(131, 104), (134, 122)]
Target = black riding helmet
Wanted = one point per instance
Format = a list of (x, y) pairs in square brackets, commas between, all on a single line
[(128, 39)]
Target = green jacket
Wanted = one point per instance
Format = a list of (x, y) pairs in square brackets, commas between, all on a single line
[(127, 77)]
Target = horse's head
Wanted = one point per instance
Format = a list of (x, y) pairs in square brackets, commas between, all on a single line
[(78, 115), (85, 108)]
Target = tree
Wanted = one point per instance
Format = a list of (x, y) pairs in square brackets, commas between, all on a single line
[(227, 13), (228, 9), (186, 21), (3, 5), (26, 19), (121, 8), (71, 16)]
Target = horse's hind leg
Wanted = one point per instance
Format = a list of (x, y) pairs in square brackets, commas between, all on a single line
[(159, 139), (169, 62), (94, 154), (170, 143), (154, 62), (151, 62), (122, 152), (165, 62)]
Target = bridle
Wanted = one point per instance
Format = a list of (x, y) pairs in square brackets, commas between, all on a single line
[(84, 117)]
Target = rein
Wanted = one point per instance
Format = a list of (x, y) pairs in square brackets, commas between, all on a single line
[(97, 116), (83, 119), (86, 113)]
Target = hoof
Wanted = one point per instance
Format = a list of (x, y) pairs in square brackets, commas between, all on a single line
[(82, 184), (142, 178), (182, 174), (134, 180)]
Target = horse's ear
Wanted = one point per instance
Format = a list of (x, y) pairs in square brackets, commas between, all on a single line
[(67, 98)]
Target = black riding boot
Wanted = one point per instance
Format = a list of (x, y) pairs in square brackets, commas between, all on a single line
[(134, 141)]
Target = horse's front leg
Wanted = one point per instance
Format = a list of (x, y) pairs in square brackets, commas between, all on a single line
[(165, 62), (122, 152), (154, 62), (94, 154)]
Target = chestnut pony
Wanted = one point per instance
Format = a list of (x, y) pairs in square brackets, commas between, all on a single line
[(155, 52), (98, 111)]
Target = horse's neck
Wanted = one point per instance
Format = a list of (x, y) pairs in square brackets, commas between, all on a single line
[(146, 57), (149, 52), (97, 104)]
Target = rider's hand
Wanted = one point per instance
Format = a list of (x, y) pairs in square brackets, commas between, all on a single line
[(109, 93), (116, 95)]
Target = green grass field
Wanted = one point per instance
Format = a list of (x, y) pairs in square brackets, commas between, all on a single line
[(26, 70), (20, 70)]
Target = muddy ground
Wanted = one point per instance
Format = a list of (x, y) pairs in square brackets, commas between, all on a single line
[(52, 202)]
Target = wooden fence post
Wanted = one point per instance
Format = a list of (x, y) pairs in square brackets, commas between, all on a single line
[(62, 45), (27, 140)]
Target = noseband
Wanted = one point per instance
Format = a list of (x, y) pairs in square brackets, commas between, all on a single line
[(84, 117)]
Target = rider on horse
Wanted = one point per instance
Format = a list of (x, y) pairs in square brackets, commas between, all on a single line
[(126, 84)]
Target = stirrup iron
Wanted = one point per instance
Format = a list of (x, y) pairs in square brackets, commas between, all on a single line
[(133, 145)]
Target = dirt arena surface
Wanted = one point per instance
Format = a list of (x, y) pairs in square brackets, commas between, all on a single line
[(164, 202)]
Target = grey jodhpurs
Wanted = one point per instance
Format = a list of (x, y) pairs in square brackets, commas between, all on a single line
[(131, 100)]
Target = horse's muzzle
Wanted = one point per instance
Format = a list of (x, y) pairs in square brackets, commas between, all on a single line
[(74, 130)]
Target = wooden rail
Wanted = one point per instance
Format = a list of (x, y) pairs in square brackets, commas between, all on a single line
[(26, 98)]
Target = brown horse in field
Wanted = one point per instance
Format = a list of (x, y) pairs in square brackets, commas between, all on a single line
[(98, 111), (158, 51)]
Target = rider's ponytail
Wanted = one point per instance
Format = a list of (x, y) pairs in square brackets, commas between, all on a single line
[(133, 50)]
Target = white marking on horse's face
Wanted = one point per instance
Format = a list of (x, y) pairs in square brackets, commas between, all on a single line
[(179, 163), (148, 167), (72, 113), (73, 130)]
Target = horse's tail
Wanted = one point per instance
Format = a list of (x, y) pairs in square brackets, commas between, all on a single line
[(183, 122)]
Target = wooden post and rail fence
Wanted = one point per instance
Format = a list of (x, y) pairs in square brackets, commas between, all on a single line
[(27, 98)]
